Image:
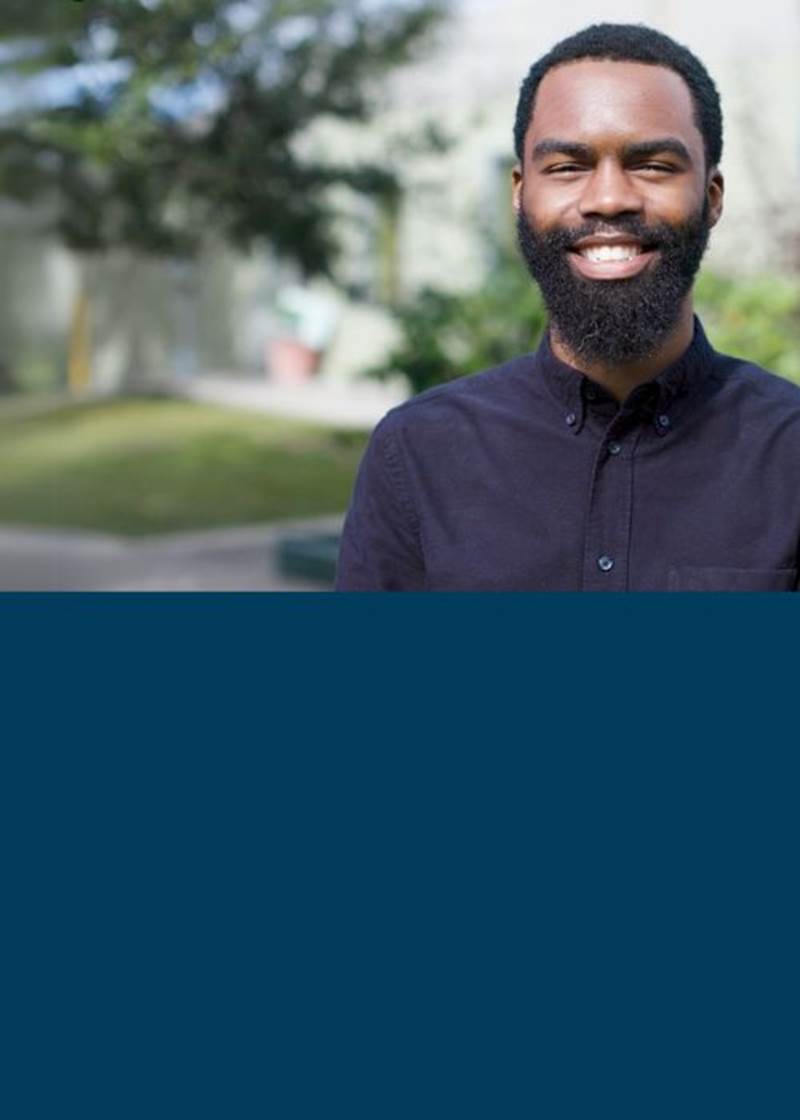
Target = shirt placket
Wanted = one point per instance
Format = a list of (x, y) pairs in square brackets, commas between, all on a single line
[(609, 518)]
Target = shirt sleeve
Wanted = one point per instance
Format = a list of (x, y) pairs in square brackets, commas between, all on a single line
[(380, 547)]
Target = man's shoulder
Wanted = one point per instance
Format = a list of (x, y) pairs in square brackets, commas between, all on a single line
[(502, 386), (758, 384)]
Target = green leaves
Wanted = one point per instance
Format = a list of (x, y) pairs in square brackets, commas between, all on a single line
[(445, 335), (757, 317)]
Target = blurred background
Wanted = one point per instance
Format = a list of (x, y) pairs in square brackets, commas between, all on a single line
[(233, 234)]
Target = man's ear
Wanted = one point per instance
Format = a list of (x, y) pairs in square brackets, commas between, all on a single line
[(716, 195), (516, 188)]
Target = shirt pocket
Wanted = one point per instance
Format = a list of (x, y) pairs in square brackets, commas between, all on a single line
[(732, 579)]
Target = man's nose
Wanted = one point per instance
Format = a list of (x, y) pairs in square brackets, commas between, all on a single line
[(609, 190)]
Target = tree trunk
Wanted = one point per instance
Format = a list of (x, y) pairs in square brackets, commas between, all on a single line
[(79, 363)]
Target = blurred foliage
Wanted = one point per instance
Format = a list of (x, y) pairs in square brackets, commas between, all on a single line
[(142, 466), (444, 335), (757, 318), (176, 117)]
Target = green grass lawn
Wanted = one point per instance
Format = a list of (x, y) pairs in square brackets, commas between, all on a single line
[(138, 466)]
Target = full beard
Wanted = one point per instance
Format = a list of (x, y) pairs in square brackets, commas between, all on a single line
[(616, 321)]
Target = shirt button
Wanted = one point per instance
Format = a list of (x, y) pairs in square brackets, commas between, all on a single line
[(605, 563), (591, 394), (614, 448), (663, 422), (572, 419)]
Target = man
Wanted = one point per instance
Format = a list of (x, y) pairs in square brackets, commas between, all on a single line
[(625, 454)]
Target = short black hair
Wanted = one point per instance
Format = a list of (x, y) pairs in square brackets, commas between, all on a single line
[(629, 42)]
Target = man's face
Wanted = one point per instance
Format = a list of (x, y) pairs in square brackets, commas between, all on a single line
[(614, 204)]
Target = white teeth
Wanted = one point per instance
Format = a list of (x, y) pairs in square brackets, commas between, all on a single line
[(610, 252)]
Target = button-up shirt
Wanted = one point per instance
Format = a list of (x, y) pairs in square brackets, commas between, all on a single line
[(532, 477)]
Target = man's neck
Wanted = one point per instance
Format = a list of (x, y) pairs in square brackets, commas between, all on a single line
[(620, 380)]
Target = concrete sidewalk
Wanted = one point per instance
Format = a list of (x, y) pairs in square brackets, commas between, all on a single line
[(360, 405), (239, 559)]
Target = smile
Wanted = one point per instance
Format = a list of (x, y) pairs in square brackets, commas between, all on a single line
[(610, 252), (611, 262)]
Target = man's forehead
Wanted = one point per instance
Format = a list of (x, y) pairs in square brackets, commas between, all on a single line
[(594, 97)]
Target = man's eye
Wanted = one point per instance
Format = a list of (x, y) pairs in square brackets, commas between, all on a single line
[(563, 167), (655, 167)]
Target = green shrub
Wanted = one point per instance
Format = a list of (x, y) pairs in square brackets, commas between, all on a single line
[(444, 335), (757, 318)]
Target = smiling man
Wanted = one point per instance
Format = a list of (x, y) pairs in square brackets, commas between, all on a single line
[(625, 453)]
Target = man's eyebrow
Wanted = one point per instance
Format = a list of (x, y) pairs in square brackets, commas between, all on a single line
[(561, 148), (641, 149), (645, 148)]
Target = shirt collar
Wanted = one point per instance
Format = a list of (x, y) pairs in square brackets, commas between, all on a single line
[(575, 392)]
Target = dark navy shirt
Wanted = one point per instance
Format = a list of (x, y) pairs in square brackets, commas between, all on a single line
[(531, 477)]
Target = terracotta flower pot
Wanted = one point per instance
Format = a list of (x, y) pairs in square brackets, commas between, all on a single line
[(290, 362)]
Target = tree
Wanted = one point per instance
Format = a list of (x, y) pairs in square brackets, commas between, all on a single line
[(177, 117)]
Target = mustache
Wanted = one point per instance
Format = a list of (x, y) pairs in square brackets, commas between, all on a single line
[(658, 235)]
